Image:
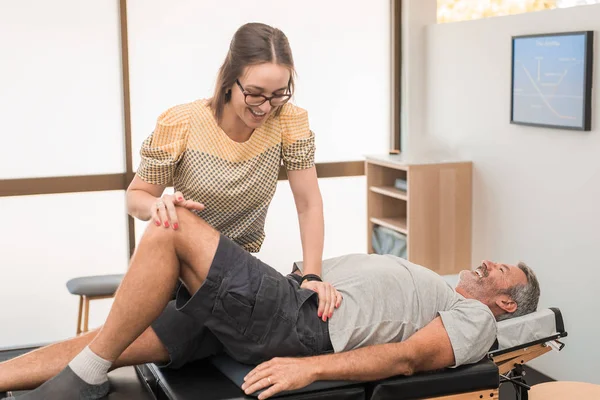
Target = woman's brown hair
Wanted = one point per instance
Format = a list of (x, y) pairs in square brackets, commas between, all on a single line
[(253, 43)]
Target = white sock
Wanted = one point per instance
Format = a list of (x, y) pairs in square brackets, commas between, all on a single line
[(90, 367)]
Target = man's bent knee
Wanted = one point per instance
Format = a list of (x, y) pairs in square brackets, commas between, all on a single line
[(186, 216), (195, 243), (185, 219)]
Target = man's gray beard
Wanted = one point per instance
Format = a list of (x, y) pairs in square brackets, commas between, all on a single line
[(463, 277), (467, 282)]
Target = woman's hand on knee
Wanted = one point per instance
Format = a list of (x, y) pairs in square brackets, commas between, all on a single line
[(164, 211)]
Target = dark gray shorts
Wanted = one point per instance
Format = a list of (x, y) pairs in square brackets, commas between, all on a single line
[(246, 309)]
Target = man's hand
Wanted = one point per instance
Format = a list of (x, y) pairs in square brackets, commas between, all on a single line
[(329, 297), (279, 374)]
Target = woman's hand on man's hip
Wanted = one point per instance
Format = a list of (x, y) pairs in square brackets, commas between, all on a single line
[(329, 297)]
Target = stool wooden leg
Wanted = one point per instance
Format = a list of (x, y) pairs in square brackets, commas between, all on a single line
[(87, 314), (79, 315)]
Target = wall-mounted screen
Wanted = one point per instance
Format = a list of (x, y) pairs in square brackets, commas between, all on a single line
[(552, 80)]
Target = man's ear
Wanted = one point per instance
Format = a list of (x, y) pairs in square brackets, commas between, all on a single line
[(506, 303)]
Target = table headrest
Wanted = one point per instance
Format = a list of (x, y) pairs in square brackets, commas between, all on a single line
[(529, 328)]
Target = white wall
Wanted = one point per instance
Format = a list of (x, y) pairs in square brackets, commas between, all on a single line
[(61, 112), (416, 16), (536, 190)]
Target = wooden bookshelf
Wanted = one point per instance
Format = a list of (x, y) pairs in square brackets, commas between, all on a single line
[(434, 212)]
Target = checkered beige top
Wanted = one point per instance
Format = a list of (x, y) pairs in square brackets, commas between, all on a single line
[(235, 181)]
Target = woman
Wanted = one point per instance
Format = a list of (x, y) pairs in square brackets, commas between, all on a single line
[(223, 155)]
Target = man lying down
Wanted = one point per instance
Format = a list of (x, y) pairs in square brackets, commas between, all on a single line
[(395, 318)]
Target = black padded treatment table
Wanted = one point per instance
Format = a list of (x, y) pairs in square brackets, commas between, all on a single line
[(519, 341)]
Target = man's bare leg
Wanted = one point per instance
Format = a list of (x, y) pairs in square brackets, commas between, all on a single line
[(36, 367), (163, 256)]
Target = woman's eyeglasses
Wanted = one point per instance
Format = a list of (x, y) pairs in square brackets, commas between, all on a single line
[(254, 100)]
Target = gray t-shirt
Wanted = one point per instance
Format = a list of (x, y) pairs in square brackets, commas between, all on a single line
[(387, 299)]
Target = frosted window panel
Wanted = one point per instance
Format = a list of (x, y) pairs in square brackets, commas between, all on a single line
[(345, 213), (46, 241), (463, 10), (140, 228), (574, 3), (60, 88), (342, 54)]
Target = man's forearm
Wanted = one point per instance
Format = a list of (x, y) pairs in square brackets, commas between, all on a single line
[(366, 364), (428, 349), (312, 233)]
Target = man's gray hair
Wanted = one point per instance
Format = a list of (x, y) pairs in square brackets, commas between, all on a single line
[(526, 296)]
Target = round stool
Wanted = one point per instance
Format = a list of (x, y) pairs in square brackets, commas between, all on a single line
[(564, 390), (92, 288)]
